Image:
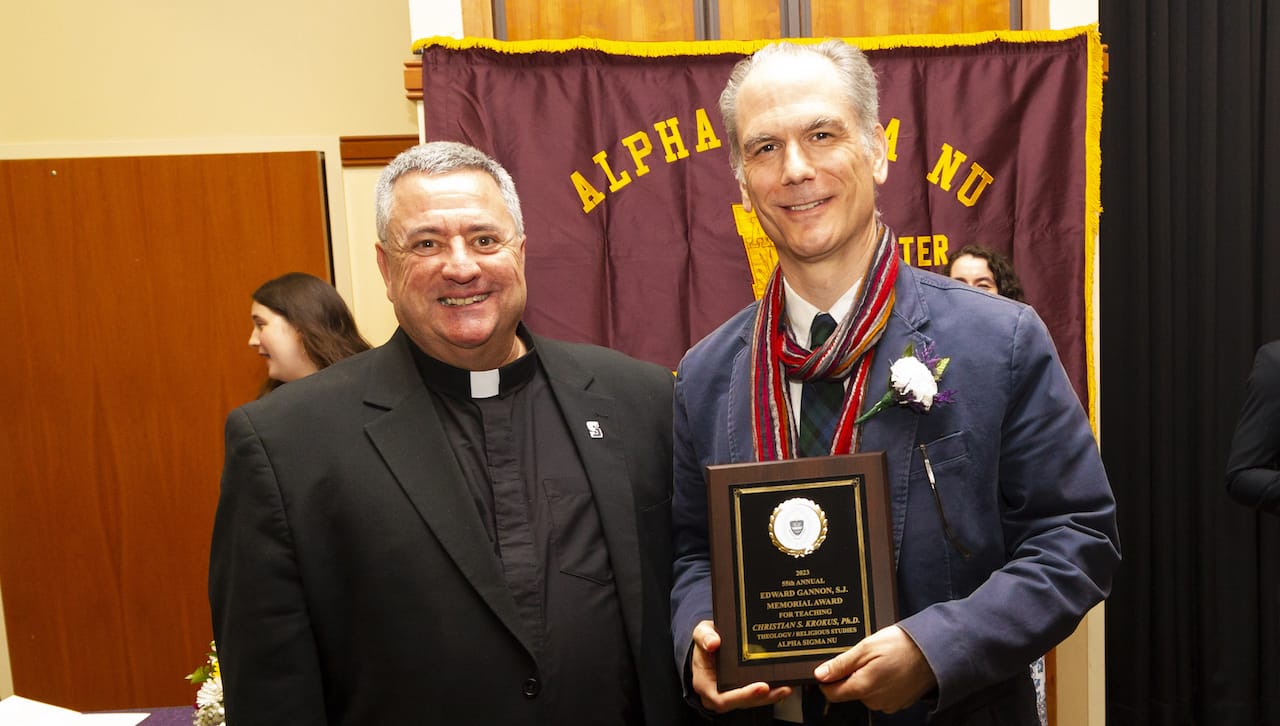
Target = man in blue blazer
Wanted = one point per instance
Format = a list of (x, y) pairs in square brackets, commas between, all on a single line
[(467, 525), (1020, 539)]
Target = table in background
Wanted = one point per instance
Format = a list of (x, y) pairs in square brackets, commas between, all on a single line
[(172, 716)]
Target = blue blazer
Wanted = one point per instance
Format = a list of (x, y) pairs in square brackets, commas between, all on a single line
[(1017, 469)]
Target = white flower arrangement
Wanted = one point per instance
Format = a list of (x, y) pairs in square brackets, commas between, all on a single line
[(209, 711)]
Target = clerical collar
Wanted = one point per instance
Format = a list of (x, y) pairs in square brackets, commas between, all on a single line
[(463, 384)]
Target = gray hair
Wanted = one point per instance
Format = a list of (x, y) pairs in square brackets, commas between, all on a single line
[(441, 157), (851, 67)]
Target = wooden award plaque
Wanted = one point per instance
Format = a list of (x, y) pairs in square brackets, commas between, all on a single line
[(801, 563)]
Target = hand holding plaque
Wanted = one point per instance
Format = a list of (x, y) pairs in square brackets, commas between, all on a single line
[(703, 656), (801, 563)]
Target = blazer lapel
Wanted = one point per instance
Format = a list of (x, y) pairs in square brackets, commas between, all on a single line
[(742, 445), (893, 430), (605, 463), (412, 442)]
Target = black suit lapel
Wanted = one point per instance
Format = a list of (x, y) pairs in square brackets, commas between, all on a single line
[(592, 422), (413, 444)]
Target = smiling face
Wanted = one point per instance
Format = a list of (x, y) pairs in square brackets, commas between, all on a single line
[(279, 343), (806, 169), (455, 268), (974, 272)]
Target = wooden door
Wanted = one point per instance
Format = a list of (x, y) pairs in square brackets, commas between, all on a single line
[(126, 307)]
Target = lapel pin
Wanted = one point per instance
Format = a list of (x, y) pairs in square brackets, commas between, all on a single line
[(593, 428)]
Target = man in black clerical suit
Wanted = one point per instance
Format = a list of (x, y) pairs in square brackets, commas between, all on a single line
[(467, 525), (1253, 468)]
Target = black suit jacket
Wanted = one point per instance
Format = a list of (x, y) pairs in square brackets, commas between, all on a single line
[(1253, 467), (351, 580)]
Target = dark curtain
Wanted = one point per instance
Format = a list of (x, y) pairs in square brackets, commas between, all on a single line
[(1190, 284)]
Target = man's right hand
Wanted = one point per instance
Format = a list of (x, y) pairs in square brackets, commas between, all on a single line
[(706, 641)]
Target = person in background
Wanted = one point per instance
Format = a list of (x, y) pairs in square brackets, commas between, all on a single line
[(300, 325), (469, 524), (1004, 522), (1253, 466), (986, 269)]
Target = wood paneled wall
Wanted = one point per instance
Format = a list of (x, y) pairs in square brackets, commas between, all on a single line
[(661, 20), (649, 20), (738, 20), (851, 19), (127, 311), (749, 19)]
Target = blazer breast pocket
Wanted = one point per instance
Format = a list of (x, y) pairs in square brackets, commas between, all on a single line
[(947, 452), (935, 539)]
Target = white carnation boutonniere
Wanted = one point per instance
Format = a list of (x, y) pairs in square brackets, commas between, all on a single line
[(913, 381)]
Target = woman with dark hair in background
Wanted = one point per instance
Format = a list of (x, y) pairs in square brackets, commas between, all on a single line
[(986, 269), (300, 325)]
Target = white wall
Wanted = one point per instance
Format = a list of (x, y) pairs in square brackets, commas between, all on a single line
[(1072, 13), (368, 294), (6, 675)]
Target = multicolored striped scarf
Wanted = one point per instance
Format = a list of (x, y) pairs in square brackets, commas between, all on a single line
[(776, 356)]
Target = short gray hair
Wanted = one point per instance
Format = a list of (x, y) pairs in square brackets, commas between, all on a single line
[(851, 67), (441, 157)]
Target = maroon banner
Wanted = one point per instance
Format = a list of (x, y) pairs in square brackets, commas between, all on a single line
[(636, 235)]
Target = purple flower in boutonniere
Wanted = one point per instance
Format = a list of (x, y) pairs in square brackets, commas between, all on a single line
[(913, 381)]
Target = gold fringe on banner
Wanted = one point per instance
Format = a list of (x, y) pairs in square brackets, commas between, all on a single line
[(1092, 215), (717, 47)]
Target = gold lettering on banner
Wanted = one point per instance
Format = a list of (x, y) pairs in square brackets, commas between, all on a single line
[(945, 170), (706, 133), (891, 138), (944, 173), (639, 146), (671, 140), (762, 256), (589, 195), (968, 195), (615, 182), (926, 250)]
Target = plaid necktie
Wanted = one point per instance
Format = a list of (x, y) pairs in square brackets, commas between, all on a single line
[(820, 405), (820, 401)]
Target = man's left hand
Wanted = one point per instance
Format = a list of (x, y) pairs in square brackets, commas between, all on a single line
[(886, 671)]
